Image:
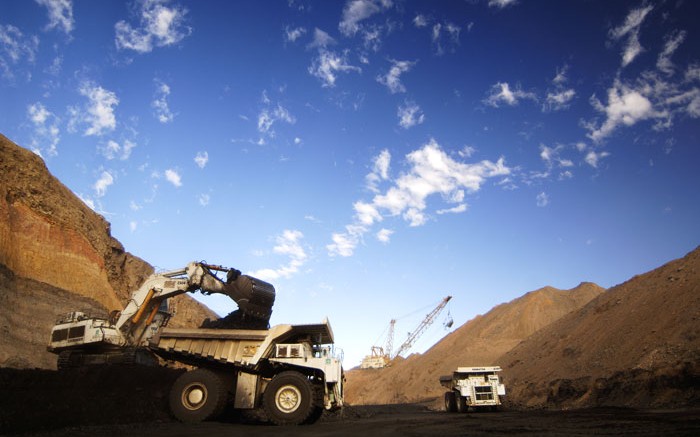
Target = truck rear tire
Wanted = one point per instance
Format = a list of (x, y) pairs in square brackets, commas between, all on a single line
[(450, 402), (289, 399), (197, 396)]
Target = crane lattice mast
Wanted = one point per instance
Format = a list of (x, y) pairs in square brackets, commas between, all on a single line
[(412, 337)]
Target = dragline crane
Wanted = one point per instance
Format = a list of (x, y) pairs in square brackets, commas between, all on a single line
[(382, 357), (429, 319)]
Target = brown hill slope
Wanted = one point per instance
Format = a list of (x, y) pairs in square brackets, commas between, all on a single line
[(636, 345), (57, 255), (478, 342)]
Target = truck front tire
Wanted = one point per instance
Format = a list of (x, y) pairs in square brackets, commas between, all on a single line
[(462, 406), (197, 396), (289, 399), (450, 402)]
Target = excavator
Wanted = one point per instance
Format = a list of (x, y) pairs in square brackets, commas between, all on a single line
[(80, 340)]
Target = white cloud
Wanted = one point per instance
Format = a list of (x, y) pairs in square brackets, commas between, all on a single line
[(410, 115), (98, 112), (269, 116), (593, 157), (291, 35), (46, 129), (462, 207), (60, 14), (356, 11), (558, 100), (542, 199), (321, 40), (380, 170), (201, 159), (159, 26), (106, 179), (203, 199), (113, 150), (501, 3), (133, 225), (288, 244), (630, 29), (431, 172), (392, 79), (502, 94), (328, 64), (384, 235), (673, 41), (173, 177), (420, 21), (626, 106), (14, 48), (160, 103)]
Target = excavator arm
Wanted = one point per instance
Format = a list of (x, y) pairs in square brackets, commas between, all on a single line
[(254, 297)]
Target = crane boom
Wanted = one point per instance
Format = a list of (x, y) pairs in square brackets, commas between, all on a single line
[(427, 321)]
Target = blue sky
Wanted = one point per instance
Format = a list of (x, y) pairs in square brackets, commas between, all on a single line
[(369, 157)]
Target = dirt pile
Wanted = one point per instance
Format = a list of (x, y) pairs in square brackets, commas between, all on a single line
[(636, 345), (57, 255), (478, 342)]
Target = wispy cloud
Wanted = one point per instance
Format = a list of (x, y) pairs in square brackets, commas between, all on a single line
[(356, 11), (445, 37), (410, 114), (112, 150), (559, 96), (46, 131), (203, 199), (288, 244), (673, 41), (97, 113), (432, 172), (15, 48), (60, 14), (392, 79), (328, 64), (270, 115), (201, 159), (160, 25), (160, 103), (291, 35), (630, 30), (502, 94), (103, 182), (502, 3), (542, 199), (173, 177)]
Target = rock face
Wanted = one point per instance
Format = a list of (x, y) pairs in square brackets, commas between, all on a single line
[(57, 255), (636, 345), (478, 342)]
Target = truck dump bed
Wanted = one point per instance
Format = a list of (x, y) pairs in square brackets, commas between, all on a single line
[(238, 347), (227, 346)]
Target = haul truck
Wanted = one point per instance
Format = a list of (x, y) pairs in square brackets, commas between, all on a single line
[(292, 371), (475, 387)]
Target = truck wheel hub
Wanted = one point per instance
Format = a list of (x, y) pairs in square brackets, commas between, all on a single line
[(288, 398), (194, 396)]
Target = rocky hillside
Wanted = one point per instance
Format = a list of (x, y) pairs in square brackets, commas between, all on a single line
[(478, 342), (636, 345), (57, 255)]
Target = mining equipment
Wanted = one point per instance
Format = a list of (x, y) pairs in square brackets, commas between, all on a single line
[(383, 356), (473, 387), (293, 372)]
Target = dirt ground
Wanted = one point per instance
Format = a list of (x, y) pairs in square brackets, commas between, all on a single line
[(417, 420), (111, 401)]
